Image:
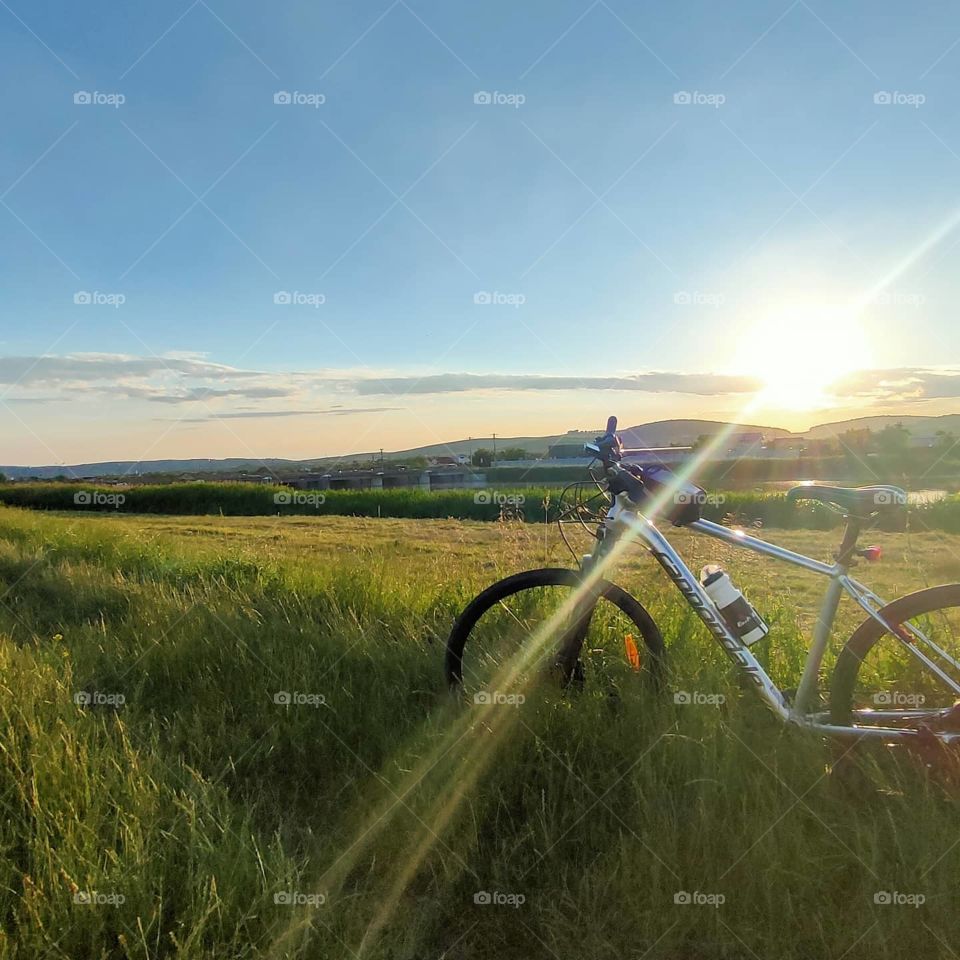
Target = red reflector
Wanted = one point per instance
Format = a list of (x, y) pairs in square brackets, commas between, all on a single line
[(633, 654), (872, 553)]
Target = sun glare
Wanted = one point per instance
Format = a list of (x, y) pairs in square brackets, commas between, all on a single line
[(799, 351)]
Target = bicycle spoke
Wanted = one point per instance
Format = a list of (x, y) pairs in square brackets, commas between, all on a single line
[(914, 671)]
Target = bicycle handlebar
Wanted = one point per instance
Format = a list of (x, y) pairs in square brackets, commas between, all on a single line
[(608, 449)]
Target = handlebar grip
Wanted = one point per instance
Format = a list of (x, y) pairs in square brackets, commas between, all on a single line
[(611, 425)]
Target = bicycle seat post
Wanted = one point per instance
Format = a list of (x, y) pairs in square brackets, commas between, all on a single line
[(807, 695), (848, 545)]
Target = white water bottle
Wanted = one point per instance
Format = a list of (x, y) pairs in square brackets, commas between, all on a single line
[(733, 606)]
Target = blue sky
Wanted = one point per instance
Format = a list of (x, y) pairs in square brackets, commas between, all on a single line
[(781, 232)]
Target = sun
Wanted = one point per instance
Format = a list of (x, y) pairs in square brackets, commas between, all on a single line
[(797, 351)]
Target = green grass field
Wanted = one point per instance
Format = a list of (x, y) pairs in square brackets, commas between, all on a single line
[(533, 504), (184, 812)]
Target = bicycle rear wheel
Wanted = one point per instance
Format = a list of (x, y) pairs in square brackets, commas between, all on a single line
[(521, 626), (897, 678)]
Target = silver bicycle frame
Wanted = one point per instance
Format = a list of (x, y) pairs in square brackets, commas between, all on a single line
[(623, 519)]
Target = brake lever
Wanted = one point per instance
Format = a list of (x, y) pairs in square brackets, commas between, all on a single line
[(608, 449)]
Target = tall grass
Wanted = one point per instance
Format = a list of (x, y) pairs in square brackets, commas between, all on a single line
[(201, 800), (535, 505)]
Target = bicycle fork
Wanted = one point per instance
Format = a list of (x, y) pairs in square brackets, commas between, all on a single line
[(574, 636)]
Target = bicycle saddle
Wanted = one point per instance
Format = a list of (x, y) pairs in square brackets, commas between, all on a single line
[(856, 501)]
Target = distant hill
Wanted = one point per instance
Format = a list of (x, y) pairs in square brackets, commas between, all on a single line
[(918, 426), (683, 433), (662, 433)]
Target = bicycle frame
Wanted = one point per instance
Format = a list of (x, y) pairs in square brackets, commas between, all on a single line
[(623, 518)]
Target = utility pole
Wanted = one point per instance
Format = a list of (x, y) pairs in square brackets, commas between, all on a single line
[(494, 450), (381, 458)]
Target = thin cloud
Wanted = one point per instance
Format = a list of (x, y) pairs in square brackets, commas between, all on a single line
[(179, 379), (901, 384), (92, 367), (261, 414), (202, 394), (701, 384)]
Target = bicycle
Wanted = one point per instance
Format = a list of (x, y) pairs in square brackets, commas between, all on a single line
[(918, 633)]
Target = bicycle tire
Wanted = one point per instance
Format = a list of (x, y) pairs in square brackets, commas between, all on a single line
[(865, 637), (552, 577)]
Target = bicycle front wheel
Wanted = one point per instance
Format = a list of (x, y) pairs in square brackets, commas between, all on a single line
[(522, 625)]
